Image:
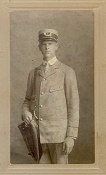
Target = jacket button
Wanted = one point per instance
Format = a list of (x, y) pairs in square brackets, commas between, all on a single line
[(40, 106), (42, 93), (40, 119), (35, 106), (44, 79)]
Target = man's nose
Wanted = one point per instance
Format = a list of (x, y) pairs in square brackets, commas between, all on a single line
[(47, 47)]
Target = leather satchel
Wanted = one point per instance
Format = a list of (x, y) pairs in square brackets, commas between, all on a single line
[(31, 137)]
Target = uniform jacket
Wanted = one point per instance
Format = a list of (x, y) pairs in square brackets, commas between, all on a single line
[(55, 102)]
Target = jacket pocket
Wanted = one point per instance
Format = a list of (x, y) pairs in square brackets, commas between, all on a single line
[(55, 88)]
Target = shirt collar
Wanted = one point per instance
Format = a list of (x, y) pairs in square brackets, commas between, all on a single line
[(51, 62)]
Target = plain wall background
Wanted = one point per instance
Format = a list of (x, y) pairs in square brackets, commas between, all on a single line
[(76, 49)]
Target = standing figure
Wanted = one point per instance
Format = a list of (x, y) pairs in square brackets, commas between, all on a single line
[(54, 101)]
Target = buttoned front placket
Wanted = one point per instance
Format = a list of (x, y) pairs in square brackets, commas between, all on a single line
[(42, 93)]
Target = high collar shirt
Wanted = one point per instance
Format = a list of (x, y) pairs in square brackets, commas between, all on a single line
[(51, 62)]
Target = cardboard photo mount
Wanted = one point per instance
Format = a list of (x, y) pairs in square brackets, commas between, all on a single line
[(99, 9)]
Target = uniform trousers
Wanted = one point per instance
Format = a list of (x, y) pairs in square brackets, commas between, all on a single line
[(53, 154)]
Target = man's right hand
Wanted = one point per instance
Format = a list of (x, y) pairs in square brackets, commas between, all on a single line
[(27, 117)]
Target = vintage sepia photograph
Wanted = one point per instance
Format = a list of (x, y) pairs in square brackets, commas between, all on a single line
[(52, 87)]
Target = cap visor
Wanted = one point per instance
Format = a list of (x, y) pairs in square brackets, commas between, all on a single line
[(47, 39)]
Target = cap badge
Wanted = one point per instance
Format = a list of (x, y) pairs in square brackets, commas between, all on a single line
[(47, 34)]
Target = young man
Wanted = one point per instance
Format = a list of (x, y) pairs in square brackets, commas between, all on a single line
[(55, 102)]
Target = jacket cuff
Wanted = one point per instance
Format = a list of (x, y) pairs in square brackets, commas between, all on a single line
[(72, 132)]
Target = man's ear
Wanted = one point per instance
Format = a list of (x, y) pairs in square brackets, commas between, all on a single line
[(39, 46), (56, 46)]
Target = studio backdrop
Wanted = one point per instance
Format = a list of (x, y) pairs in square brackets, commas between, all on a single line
[(76, 49)]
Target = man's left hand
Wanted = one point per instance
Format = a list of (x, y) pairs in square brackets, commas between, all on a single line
[(68, 145)]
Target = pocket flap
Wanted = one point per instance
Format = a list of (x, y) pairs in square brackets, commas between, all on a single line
[(55, 88)]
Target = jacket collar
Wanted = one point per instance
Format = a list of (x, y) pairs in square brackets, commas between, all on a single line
[(52, 70)]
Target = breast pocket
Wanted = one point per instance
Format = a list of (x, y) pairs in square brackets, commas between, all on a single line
[(55, 89)]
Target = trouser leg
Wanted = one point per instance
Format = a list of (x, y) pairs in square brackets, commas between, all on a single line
[(53, 154), (56, 153), (45, 159)]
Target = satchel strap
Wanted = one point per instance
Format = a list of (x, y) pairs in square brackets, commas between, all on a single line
[(37, 82), (35, 71)]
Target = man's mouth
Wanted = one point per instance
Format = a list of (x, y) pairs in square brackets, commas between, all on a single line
[(47, 52)]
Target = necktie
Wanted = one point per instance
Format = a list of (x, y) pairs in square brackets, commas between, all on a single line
[(46, 66)]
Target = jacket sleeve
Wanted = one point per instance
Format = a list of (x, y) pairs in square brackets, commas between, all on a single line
[(29, 92), (72, 99)]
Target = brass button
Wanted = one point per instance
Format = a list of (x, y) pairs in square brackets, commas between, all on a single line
[(40, 106), (42, 93), (40, 119)]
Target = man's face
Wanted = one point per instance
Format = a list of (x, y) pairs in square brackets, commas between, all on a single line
[(48, 49)]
